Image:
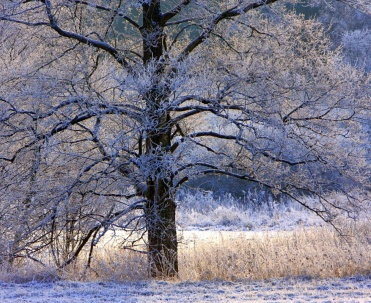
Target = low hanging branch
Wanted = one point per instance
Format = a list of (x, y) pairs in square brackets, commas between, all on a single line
[(105, 223)]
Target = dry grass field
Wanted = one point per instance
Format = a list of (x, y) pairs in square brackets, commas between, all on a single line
[(316, 252), (308, 262), (305, 265)]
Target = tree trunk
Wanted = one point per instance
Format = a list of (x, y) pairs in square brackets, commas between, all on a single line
[(161, 228), (160, 206)]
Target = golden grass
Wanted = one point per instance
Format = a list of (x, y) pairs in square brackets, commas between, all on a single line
[(311, 252), (314, 252)]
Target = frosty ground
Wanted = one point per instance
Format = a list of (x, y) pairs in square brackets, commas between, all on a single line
[(226, 232), (352, 289)]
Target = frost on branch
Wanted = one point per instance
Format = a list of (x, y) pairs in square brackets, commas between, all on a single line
[(102, 121)]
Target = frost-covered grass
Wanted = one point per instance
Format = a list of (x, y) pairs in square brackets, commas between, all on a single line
[(352, 289), (312, 252), (228, 239), (249, 255), (268, 240), (202, 210)]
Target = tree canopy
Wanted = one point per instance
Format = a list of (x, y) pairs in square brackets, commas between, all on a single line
[(108, 107)]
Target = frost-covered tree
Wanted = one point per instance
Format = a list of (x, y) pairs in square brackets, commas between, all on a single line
[(346, 26), (357, 47), (109, 106)]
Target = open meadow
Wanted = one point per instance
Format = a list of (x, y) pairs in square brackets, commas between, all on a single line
[(354, 289), (276, 254)]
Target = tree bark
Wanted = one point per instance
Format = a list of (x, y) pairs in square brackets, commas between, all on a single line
[(160, 206), (161, 228)]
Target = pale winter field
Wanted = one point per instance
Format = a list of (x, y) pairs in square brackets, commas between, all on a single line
[(275, 252), (354, 289)]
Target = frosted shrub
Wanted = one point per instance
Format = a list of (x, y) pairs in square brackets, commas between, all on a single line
[(204, 210)]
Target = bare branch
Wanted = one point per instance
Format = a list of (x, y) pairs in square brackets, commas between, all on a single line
[(85, 40), (175, 11), (230, 13), (107, 9)]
